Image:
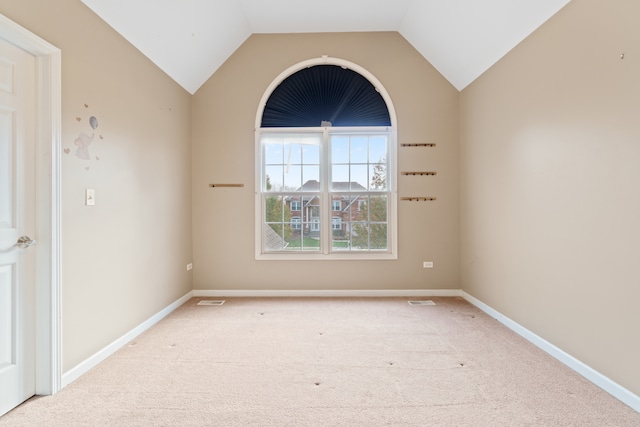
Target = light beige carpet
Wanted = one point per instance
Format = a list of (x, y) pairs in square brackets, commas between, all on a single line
[(328, 362)]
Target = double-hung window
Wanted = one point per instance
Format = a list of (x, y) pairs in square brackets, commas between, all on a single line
[(326, 192), (306, 176)]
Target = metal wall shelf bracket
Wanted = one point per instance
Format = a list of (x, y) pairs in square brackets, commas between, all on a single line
[(418, 199)]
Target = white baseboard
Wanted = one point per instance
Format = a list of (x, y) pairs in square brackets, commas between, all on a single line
[(329, 293), (93, 361), (608, 385)]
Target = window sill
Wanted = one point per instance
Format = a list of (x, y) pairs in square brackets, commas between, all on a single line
[(328, 257)]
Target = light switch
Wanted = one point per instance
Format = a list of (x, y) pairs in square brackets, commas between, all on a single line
[(90, 197)]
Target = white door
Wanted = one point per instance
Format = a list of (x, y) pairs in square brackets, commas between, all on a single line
[(17, 226)]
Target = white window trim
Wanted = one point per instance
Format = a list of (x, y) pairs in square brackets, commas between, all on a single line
[(392, 250)]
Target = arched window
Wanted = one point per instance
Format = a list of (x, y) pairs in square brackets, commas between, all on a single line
[(325, 151), (325, 94)]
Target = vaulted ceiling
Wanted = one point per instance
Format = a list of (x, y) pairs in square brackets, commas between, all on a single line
[(190, 39)]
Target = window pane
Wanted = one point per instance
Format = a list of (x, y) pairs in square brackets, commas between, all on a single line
[(377, 148), (339, 149), (277, 225), (310, 240), (305, 238), (310, 173), (353, 213), (340, 174), (377, 208), (273, 178), (339, 232), (368, 236), (311, 154), (359, 236), (293, 154), (293, 178), (359, 178), (359, 149), (340, 245), (293, 243), (284, 158), (274, 209), (302, 239), (273, 153), (378, 174), (378, 236)]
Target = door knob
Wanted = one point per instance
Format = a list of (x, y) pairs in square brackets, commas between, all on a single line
[(24, 242)]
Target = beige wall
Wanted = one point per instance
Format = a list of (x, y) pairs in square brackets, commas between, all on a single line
[(224, 113), (124, 259), (550, 207)]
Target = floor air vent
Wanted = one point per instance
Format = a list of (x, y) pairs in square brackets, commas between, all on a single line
[(425, 302), (211, 302)]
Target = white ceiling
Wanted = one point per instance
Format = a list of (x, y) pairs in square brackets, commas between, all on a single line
[(190, 39)]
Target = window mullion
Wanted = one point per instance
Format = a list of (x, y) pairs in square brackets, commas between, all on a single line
[(325, 204)]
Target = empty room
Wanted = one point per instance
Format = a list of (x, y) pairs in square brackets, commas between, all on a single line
[(252, 212)]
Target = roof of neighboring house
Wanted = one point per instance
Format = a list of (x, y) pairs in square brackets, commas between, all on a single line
[(313, 185), (273, 241)]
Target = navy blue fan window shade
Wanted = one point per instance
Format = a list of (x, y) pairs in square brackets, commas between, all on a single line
[(325, 93)]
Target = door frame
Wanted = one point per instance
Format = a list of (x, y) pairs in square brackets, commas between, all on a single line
[(48, 137)]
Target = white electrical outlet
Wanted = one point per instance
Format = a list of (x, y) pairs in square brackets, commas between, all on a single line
[(189, 266), (427, 264), (90, 197)]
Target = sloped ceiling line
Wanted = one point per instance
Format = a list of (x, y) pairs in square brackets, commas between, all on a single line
[(460, 38)]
